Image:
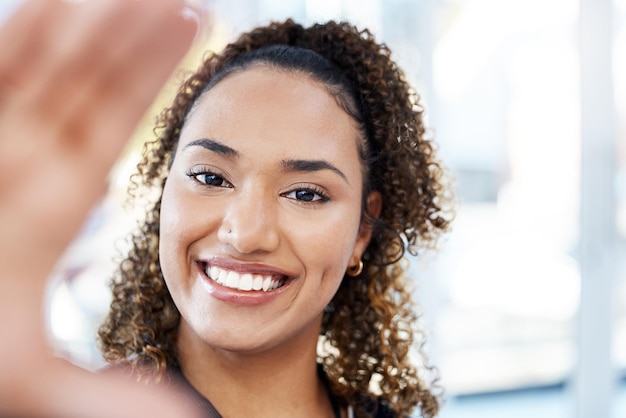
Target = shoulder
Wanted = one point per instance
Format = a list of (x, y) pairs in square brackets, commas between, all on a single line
[(379, 408), (383, 410)]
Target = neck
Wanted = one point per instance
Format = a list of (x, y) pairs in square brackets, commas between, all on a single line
[(282, 382)]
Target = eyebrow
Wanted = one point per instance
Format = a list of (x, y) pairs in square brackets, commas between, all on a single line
[(308, 166), (214, 146), (311, 166)]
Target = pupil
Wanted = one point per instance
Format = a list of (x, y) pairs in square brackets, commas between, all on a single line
[(305, 195), (212, 179)]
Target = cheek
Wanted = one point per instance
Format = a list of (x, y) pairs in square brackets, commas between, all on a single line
[(181, 213), (328, 241), (175, 229), (168, 232), (171, 214)]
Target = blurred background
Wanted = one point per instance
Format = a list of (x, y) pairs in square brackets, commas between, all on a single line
[(525, 303)]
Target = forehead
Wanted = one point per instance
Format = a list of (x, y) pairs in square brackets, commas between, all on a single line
[(267, 108)]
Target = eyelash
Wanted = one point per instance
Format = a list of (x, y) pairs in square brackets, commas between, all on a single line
[(198, 172), (322, 197)]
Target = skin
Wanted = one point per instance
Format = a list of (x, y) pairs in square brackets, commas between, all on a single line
[(262, 212), (74, 81)]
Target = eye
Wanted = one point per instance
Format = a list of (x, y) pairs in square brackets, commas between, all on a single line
[(307, 195), (208, 178), (211, 179)]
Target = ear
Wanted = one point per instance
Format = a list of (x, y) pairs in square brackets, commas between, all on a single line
[(373, 206)]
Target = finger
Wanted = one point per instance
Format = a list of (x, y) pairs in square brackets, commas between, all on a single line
[(128, 33), (18, 46), (80, 43), (107, 44), (162, 42)]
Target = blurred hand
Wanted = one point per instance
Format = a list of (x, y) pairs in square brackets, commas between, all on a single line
[(74, 81)]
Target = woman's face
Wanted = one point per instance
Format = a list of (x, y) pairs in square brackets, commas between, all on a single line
[(261, 211)]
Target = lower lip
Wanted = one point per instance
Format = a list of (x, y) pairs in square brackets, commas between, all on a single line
[(240, 297)]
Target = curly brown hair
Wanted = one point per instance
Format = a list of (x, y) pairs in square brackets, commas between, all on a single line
[(370, 327)]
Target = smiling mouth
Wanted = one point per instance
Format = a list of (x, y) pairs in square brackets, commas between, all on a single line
[(244, 281)]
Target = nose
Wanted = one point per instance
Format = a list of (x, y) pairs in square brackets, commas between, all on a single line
[(249, 224)]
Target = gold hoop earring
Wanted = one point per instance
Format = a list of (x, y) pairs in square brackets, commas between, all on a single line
[(354, 271)]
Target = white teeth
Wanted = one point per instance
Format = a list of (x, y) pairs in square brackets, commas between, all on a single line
[(243, 281), (258, 282), (232, 280), (222, 276), (213, 273)]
